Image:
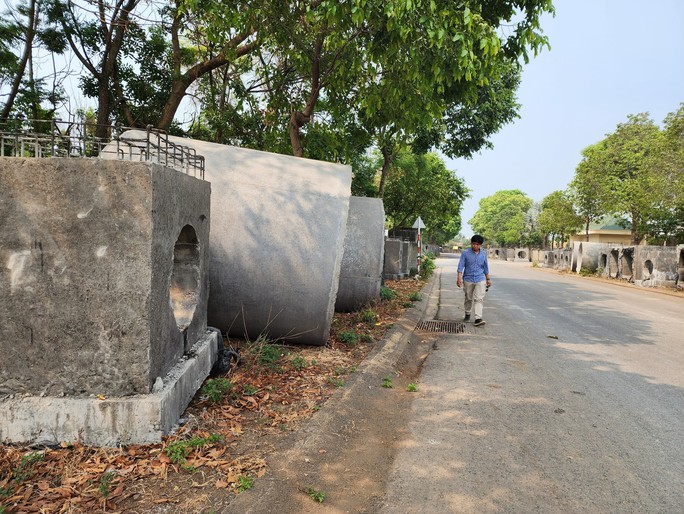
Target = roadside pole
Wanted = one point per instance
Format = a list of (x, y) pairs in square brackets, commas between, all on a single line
[(419, 225)]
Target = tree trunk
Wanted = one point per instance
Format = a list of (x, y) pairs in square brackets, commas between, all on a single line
[(586, 231), (300, 118), (32, 22)]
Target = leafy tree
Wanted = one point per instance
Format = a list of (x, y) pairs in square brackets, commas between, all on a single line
[(500, 217), (587, 188), (421, 185), (558, 217)]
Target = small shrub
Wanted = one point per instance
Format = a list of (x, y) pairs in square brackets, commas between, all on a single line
[(415, 297), (299, 363), (315, 495), (585, 272), (216, 388), (367, 338), (535, 264), (349, 337), (337, 382), (412, 388), (387, 294), (369, 316), (178, 451), (105, 483), (427, 265), (267, 354), (387, 382), (413, 272), (245, 483)]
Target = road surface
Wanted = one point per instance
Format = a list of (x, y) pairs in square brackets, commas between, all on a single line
[(570, 399)]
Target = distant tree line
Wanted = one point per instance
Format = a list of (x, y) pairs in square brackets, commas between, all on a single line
[(635, 175)]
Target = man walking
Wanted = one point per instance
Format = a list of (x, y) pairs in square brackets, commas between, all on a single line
[(473, 274)]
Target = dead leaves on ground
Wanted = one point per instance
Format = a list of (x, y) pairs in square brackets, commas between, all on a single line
[(264, 401)]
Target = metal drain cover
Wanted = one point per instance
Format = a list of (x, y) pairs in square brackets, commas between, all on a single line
[(447, 327)]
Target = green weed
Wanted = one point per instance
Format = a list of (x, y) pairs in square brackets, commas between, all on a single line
[(249, 390), (299, 363), (387, 294), (337, 382), (178, 451), (369, 316), (245, 483), (105, 482), (415, 297), (387, 381), (316, 495), (412, 388), (349, 337), (216, 388)]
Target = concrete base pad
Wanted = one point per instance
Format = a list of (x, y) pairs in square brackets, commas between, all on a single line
[(141, 419)]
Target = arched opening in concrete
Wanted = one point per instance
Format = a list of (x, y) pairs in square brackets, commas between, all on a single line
[(613, 264), (627, 262), (648, 269), (185, 277), (496, 252), (603, 261), (522, 254), (681, 265)]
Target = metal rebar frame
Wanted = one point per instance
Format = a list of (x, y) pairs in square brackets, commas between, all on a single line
[(21, 137)]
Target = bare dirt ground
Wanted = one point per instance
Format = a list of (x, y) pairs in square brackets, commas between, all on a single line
[(298, 427)]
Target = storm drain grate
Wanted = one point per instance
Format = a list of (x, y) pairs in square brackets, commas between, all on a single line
[(447, 327)]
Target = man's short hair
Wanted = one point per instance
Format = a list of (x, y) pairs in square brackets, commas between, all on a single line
[(477, 239)]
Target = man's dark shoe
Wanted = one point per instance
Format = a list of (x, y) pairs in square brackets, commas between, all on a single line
[(479, 322), (466, 318)]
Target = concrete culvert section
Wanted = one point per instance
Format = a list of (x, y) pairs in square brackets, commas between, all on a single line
[(362, 263), (276, 242), (106, 265)]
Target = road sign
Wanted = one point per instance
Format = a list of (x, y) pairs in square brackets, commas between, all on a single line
[(418, 224)]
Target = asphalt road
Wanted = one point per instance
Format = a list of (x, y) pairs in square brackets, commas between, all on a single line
[(570, 399)]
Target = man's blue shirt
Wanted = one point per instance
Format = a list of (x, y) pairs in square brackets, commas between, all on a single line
[(474, 266)]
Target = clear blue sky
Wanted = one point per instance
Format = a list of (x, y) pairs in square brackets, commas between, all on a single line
[(608, 59)]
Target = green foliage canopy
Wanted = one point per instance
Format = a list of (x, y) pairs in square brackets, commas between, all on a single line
[(500, 217)]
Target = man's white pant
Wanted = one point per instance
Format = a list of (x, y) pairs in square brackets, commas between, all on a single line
[(474, 297)]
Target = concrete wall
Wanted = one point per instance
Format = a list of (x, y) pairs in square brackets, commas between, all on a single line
[(88, 277), (497, 253), (522, 255), (680, 265), (655, 266), (406, 262), (394, 249), (277, 240), (361, 269)]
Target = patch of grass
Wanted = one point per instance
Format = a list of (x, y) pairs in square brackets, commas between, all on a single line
[(585, 272), (415, 297), (336, 381), (412, 388), (178, 451), (249, 390), (369, 316), (316, 495), (267, 355), (216, 389), (387, 382), (106, 482), (387, 294), (408, 304), (244, 483), (299, 363), (25, 468), (349, 337), (535, 264), (367, 338)]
